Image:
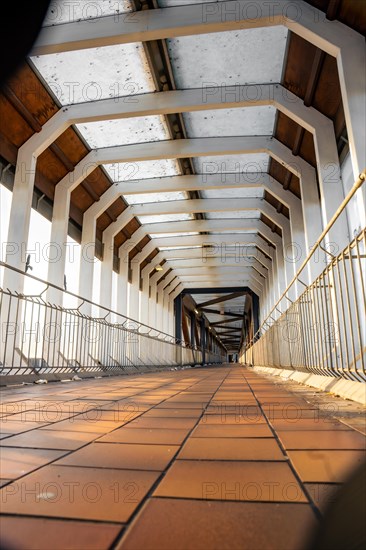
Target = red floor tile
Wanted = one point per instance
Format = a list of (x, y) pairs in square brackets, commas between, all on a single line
[(48, 439), (26, 533), (326, 466), (157, 412), (16, 462), (164, 524), (162, 423), (322, 439), (228, 418), (146, 435), (323, 494), (121, 455), (242, 481), (78, 493), (206, 448), (232, 430)]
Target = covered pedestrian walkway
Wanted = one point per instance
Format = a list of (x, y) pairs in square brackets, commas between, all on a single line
[(182, 275), (213, 458)]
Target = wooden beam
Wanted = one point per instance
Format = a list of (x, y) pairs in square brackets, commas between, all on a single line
[(314, 77), (333, 9), (21, 108), (217, 312), (219, 323)]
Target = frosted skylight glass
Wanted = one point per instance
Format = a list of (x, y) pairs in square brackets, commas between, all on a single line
[(246, 214), (178, 247), (254, 192), (225, 58), (123, 171), (146, 198), (66, 11), (172, 3), (110, 133), (249, 121), (255, 162), (248, 232), (163, 235), (165, 218), (96, 73)]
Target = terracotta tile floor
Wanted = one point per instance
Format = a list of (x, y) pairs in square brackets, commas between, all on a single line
[(215, 458)]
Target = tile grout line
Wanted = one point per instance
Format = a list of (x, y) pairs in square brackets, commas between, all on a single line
[(133, 517)]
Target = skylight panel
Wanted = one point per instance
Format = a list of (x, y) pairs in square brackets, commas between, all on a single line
[(125, 171), (246, 163), (242, 193), (164, 235), (162, 248), (248, 121), (156, 218), (96, 73), (173, 3), (110, 133), (232, 57), (150, 198), (66, 11), (245, 214)]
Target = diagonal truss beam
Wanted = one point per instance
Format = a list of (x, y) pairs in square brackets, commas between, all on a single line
[(222, 299)]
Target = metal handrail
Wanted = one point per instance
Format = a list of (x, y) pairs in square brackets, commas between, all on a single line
[(356, 186), (60, 338), (83, 301), (323, 330)]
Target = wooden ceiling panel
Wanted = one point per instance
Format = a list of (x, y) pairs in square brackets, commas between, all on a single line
[(296, 75), (271, 225), (286, 130), (281, 174), (277, 204), (50, 165), (71, 146), (350, 12), (13, 126), (33, 95), (307, 150), (139, 246), (353, 14), (164, 276), (149, 259), (117, 208), (327, 96), (81, 198), (126, 233)]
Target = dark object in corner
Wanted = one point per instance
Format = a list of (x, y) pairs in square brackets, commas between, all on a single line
[(19, 28), (344, 523)]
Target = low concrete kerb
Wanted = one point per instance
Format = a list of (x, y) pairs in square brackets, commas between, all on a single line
[(348, 389)]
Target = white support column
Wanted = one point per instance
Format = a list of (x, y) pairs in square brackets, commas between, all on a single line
[(160, 297), (108, 255), (178, 289), (22, 196), (87, 257), (134, 304), (167, 306), (145, 295), (122, 287)]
